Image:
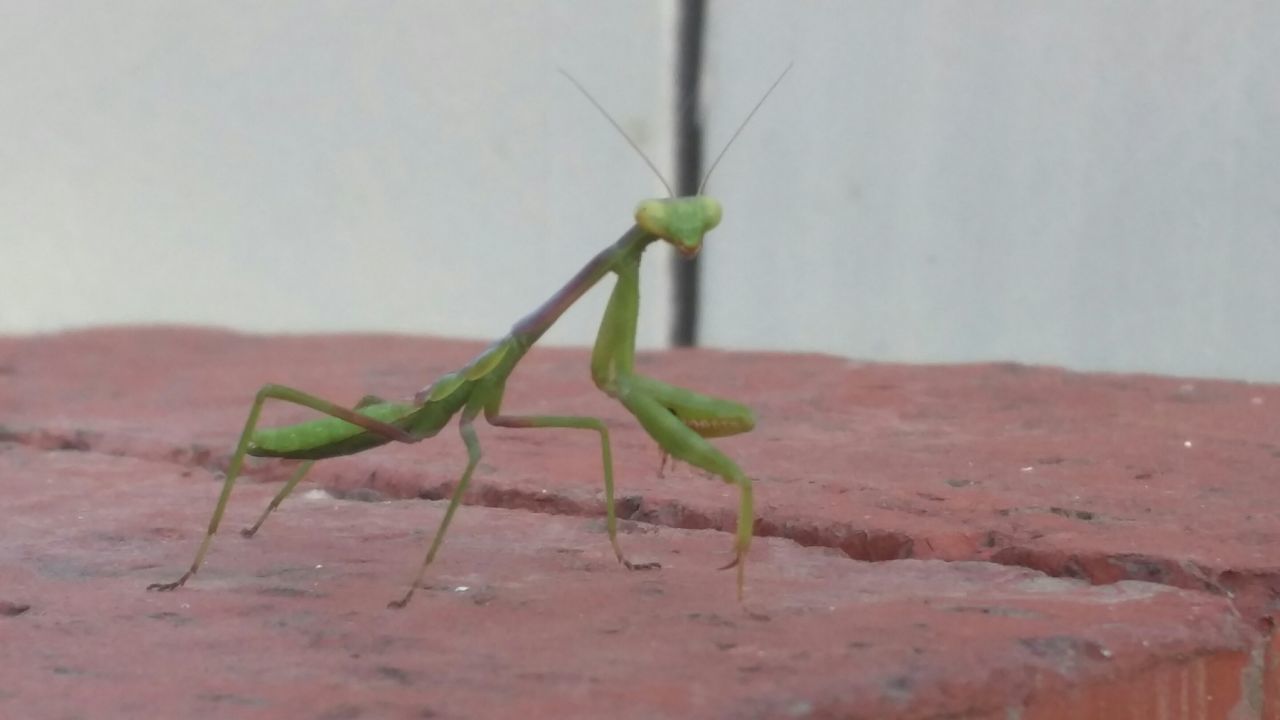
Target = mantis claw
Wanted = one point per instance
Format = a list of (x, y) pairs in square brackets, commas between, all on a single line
[(170, 586), (399, 604), (737, 562)]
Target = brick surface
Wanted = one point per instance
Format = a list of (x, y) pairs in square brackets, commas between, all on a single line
[(1150, 498)]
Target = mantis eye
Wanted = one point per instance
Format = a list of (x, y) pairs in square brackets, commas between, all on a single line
[(710, 212), (651, 217)]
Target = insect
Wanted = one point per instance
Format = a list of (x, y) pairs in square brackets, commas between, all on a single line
[(680, 420)]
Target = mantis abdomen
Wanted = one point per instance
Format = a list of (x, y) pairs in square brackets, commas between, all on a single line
[(332, 437)]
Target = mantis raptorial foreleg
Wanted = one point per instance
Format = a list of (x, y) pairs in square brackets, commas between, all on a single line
[(684, 444), (665, 411), (679, 420), (709, 416)]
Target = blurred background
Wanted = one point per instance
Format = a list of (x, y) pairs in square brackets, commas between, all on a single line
[(1092, 185)]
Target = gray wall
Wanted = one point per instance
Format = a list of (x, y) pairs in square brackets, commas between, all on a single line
[(1082, 183), (1087, 184)]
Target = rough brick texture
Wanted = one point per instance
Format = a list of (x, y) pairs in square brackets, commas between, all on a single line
[(984, 541)]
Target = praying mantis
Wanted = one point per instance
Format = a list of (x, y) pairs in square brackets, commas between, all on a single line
[(680, 420)]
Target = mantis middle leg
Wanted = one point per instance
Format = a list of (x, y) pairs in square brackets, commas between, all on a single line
[(490, 399), (493, 413), (466, 427)]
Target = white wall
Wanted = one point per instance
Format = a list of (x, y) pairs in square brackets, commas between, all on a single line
[(308, 166), (1092, 184), (1095, 184)]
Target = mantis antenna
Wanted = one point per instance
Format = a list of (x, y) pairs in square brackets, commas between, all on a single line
[(623, 133), (647, 161), (741, 127)]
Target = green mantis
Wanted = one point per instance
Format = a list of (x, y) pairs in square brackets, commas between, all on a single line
[(679, 420)]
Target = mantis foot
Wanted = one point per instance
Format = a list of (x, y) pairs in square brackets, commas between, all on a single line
[(737, 562), (399, 604), (167, 587)]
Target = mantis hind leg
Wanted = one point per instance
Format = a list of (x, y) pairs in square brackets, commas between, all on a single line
[(297, 397), (294, 479), (655, 412), (297, 476)]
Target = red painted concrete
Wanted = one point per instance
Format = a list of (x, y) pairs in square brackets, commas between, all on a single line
[(110, 438)]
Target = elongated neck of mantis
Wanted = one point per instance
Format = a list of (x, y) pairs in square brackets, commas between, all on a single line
[(533, 325)]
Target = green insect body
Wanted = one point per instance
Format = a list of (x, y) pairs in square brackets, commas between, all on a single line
[(331, 437), (680, 420)]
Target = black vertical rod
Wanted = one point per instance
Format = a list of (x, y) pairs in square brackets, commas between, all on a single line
[(691, 27)]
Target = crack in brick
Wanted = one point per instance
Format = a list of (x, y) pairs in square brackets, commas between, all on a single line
[(1255, 594)]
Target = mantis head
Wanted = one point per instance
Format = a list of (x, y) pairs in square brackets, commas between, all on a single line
[(680, 221)]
